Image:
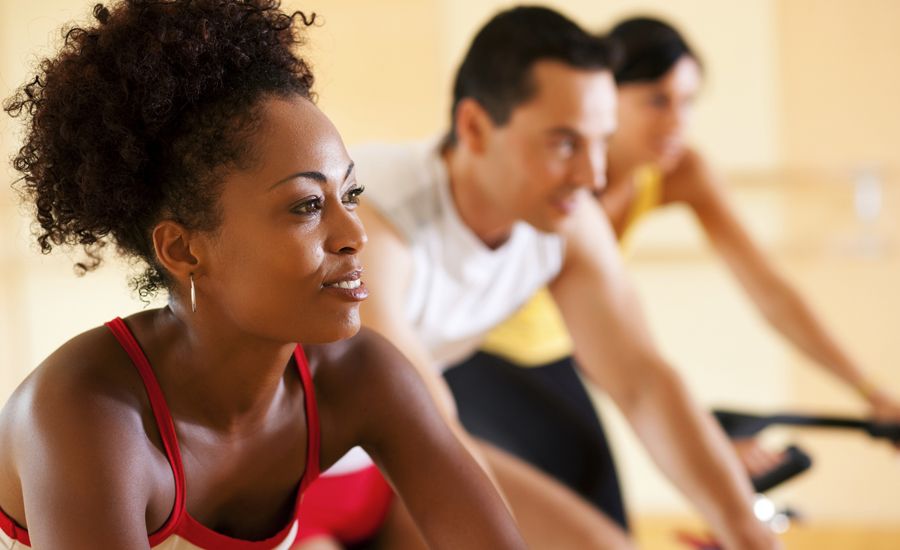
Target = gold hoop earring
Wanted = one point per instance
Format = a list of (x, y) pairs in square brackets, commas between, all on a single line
[(193, 295)]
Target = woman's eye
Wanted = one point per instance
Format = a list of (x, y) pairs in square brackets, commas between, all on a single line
[(310, 206), (352, 196)]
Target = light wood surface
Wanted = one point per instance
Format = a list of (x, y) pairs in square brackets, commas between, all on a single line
[(660, 533)]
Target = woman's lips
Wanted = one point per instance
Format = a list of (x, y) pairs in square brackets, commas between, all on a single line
[(350, 287)]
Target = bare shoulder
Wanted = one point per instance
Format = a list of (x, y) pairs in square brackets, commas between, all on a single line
[(589, 235), (84, 401), (88, 373), (356, 365), (360, 382), (690, 180), (691, 164)]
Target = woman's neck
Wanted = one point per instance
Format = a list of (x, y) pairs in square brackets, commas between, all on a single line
[(214, 374), (621, 166)]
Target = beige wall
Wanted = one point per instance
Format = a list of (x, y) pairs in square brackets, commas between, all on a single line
[(375, 66), (383, 72), (840, 84)]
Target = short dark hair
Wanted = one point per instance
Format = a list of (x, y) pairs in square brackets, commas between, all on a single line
[(496, 70), (135, 118), (646, 48)]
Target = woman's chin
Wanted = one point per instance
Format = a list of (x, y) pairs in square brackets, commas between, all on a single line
[(335, 333)]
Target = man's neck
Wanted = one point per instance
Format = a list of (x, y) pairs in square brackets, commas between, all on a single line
[(475, 208)]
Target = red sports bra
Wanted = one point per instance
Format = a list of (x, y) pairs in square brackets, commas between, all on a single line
[(181, 531)]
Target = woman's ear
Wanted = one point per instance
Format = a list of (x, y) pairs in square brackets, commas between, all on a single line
[(473, 125), (172, 243)]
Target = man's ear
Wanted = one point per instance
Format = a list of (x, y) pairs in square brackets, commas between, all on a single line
[(473, 125), (175, 250)]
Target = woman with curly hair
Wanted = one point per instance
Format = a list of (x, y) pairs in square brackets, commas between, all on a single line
[(183, 133)]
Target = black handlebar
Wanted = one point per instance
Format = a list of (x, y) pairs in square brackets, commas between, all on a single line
[(739, 425)]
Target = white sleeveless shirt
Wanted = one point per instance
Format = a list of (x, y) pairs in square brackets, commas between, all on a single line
[(459, 288)]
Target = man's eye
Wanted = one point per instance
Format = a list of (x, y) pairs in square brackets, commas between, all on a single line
[(565, 147), (659, 101), (309, 206), (352, 196)]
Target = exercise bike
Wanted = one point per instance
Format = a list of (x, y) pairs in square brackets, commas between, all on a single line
[(740, 425)]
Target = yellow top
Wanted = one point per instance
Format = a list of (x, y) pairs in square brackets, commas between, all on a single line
[(536, 334)]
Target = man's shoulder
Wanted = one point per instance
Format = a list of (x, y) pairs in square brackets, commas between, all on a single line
[(588, 235)]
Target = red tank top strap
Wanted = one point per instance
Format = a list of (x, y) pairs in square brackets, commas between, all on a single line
[(167, 430), (312, 420), (13, 531), (163, 420)]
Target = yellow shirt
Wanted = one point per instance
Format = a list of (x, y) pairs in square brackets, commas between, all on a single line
[(536, 334)]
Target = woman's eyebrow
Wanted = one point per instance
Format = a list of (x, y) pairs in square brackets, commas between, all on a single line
[(313, 175)]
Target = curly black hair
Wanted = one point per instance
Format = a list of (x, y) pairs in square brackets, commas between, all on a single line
[(137, 116)]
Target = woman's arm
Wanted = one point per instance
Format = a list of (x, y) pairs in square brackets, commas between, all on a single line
[(448, 495), (81, 466), (694, 183)]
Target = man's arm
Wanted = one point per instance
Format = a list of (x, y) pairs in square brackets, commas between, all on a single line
[(387, 264), (614, 348), (387, 267), (440, 484), (551, 515)]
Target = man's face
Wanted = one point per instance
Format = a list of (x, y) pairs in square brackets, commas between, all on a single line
[(551, 153)]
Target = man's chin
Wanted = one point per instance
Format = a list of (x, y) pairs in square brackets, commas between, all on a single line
[(552, 224)]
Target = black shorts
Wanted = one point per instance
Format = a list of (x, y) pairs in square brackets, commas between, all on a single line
[(544, 416)]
